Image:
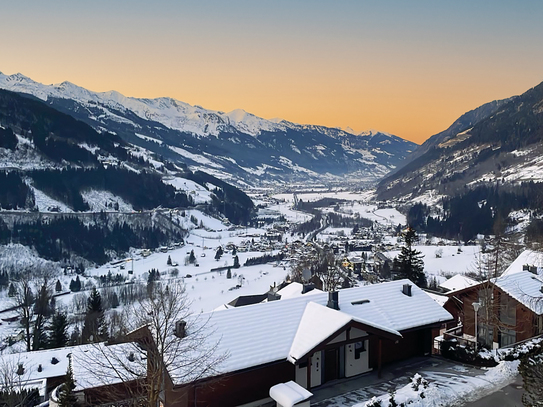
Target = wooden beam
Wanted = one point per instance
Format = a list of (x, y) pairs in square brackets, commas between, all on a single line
[(379, 358), (309, 362)]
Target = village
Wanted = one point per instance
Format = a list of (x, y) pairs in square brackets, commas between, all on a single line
[(272, 324)]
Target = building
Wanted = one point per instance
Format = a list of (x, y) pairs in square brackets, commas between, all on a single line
[(507, 309), (311, 340)]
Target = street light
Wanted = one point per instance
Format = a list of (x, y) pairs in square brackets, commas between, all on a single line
[(476, 307)]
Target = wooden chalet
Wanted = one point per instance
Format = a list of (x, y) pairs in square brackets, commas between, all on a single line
[(311, 340)]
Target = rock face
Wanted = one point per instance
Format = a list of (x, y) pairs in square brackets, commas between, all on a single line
[(236, 145)]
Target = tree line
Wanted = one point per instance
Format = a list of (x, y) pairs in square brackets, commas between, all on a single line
[(478, 211), (61, 237)]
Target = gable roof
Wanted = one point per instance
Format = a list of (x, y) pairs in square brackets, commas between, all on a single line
[(527, 257), (525, 287), (318, 324), (458, 282), (263, 333)]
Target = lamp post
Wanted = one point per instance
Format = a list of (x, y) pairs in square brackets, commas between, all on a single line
[(476, 307)]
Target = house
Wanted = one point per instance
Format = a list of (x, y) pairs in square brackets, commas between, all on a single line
[(42, 370), (311, 340), (507, 309)]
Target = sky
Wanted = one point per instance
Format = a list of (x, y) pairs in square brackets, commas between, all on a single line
[(409, 68)]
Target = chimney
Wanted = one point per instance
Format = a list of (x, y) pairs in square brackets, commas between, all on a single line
[(307, 287), (407, 289), (180, 329), (273, 296), (333, 300)]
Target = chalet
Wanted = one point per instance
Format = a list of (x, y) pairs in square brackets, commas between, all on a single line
[(311, 340), (505, 310)]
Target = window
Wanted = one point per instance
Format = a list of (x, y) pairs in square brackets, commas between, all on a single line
[(359, 347)]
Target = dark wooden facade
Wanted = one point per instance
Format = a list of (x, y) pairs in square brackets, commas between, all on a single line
[(503, 322), (253, 384)]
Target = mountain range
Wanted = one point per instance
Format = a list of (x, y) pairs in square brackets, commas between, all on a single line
[(237, 146), (497, 144)]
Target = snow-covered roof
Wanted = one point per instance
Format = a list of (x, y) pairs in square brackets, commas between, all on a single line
[(54, 363), (458, 282), (440, 299), (99, 364), (524, 287), (527, 257), (295, 290), (318, 323), (262, 333), (288, 394)]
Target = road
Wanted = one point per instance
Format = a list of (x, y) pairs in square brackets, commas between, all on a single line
[(508, 396)]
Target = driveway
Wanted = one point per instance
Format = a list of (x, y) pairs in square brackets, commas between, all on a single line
[(445, 374)]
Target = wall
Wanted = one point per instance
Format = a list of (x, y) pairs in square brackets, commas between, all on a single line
[(239, 388), (354, 365), (316, 372)]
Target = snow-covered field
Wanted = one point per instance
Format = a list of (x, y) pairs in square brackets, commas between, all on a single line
[(451, 261)]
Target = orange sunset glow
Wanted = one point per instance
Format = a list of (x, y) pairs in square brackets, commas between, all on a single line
[(409, 70)]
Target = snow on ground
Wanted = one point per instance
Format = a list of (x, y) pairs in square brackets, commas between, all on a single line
[(193, 189), (99, 200), (45, 203), (290, 214), (453, 390), (450, 262), (315, 196), (148, 138), (207, 289)]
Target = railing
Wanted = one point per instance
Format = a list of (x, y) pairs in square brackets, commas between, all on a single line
[(457, 333)]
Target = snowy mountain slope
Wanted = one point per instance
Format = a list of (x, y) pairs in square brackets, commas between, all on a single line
[(233, 144), (499, 143)]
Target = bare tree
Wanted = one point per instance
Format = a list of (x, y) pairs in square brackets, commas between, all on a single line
[(168, 339), (14, 377)]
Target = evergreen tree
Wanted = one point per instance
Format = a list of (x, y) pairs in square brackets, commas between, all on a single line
[(409, 263), (94, 327), (58, 331), (42, 311), (11, 290), (229, 273), (169, 262), (75, 285), (236, 262), (66, 396), (192, 257), (114, 300), (58, 286), (218, 253)]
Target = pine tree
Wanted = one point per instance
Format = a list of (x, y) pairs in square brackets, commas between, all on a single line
[(409, 264), (229, 273), (58, 286), (169, 262), (218, 253), (114, 300), (58, 331), (236, 262), (11, 290), (66, 396), (94, 327), (192, 258)]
